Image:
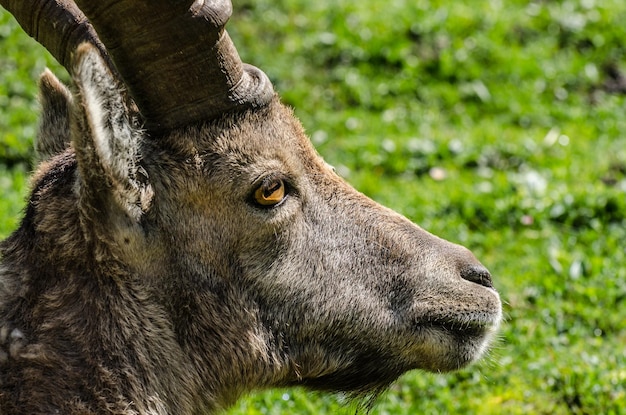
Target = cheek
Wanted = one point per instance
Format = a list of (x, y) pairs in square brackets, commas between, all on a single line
[(260, 251), (198, 226)]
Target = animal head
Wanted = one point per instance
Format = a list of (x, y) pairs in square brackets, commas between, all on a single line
[(181, 216)]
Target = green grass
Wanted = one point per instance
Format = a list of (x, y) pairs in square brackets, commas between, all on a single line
[(497, 125)]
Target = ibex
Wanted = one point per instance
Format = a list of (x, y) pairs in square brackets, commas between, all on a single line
[(184, 243)]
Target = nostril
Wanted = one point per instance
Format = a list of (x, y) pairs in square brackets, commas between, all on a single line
[(477, 274)]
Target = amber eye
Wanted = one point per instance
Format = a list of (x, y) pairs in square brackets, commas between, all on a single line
[(271, 192)]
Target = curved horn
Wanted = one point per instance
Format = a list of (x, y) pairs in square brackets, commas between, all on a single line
[(58, 25), (176, 59)]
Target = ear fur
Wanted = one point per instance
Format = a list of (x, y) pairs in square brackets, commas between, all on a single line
[(106, 140), (53, 136)]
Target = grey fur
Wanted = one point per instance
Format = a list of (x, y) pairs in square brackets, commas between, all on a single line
[(55, 99), (144, 279)]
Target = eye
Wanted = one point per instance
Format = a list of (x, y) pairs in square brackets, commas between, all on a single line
[(271, 192)]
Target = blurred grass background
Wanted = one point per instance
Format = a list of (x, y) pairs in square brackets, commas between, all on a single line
[(497, 125)]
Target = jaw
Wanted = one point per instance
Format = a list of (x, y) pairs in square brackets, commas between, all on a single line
[(365, 368), (439, 343), (450, 338), (444, 348), (370, 371)]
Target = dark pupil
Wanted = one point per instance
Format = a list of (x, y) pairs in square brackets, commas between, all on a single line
[(272, 187)]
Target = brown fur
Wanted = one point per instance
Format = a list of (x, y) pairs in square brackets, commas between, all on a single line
[(144, 279)]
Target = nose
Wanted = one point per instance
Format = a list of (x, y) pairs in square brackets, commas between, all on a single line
[(478, 274)]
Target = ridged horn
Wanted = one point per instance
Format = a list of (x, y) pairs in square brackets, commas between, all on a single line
[(176, 59), (58, 25), (174, 56)]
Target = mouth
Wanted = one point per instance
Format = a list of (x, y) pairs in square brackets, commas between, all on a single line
[(462, 330), (479, 317), (450, 343), (468, 327), (477, 322)]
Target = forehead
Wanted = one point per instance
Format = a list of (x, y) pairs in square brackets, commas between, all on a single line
[(268, 139), (251, 144)]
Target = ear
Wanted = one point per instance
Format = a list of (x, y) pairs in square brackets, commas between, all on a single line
[(107, 142), (53, 136)]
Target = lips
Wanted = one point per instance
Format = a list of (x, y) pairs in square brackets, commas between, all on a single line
[(466, 330), (473, 325)]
